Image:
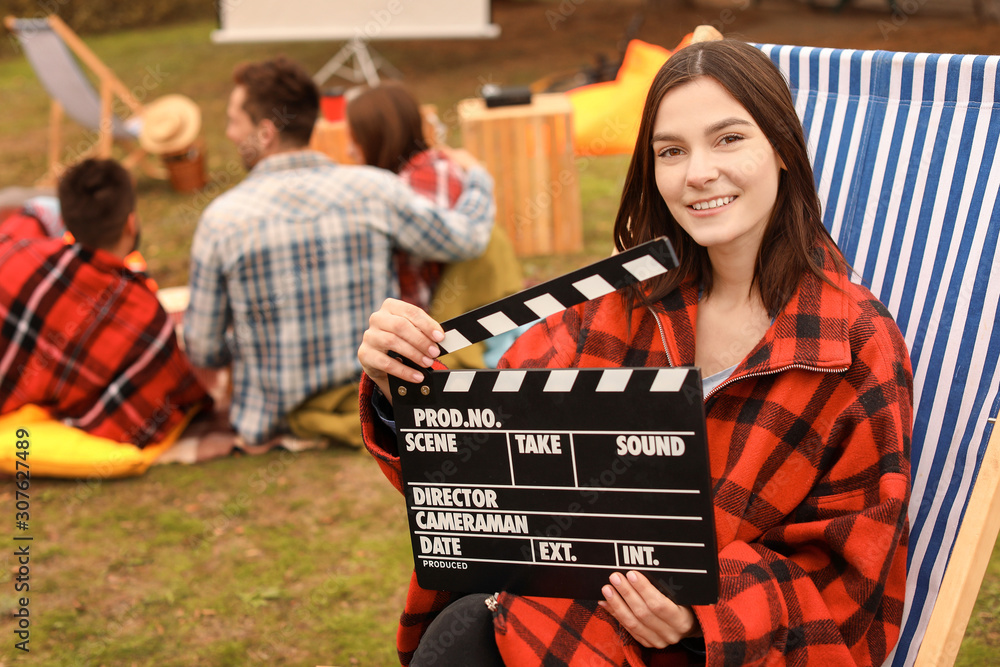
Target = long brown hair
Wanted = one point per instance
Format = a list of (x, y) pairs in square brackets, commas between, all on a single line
[(386, 124), (795, 226)]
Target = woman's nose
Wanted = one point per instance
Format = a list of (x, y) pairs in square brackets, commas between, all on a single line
[(701, 169)]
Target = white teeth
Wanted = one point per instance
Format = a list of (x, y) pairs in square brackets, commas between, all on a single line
[(714, 203)]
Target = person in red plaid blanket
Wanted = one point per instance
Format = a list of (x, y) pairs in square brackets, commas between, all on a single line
[(82, 334), (808, 401)]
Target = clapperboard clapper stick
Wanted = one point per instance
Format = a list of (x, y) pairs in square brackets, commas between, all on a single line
[(545, 481)]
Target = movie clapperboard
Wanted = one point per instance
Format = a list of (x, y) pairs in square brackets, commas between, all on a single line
[(545, 481)]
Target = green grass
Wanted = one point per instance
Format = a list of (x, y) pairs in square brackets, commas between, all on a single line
[(282, 559), (981, 645), (272, 560)]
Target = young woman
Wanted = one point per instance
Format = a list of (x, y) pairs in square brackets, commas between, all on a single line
[(808, 395), (387, 131)]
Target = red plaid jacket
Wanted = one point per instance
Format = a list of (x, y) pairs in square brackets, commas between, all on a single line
[(433, 175), (83, 337), (809, 452)]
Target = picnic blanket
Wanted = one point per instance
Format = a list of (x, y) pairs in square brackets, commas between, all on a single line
[(327, 419), (54, 449)]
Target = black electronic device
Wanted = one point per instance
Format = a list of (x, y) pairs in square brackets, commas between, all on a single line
[(505, 96)]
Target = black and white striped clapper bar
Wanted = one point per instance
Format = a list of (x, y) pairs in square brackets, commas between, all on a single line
[(627, 268), (545, 481)]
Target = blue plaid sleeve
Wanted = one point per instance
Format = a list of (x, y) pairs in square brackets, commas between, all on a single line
[(208, 314), (443, 235)]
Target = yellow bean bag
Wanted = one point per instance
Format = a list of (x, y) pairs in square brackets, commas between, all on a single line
[(58, 450), (606, 115)]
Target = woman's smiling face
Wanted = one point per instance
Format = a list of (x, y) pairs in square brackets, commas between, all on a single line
[(716, 171)]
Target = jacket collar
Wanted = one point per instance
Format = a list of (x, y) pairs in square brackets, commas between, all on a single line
[(811, 331), (287, 160)]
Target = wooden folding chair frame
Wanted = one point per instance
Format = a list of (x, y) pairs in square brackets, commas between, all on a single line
[(110, 86), (967, 565)]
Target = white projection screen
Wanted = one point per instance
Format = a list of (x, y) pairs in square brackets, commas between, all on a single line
[(321, 20)]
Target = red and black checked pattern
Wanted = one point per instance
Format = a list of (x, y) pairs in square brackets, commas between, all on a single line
[(433, 175), (809, 445), (84, 338)]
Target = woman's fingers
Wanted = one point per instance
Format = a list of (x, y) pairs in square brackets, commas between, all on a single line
[(650, 616), (461, 157), (377, 362), (658, 605), (412, 333), (400, 328), (619, 607)]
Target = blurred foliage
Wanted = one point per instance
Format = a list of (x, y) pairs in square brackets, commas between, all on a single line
[(88, 17)]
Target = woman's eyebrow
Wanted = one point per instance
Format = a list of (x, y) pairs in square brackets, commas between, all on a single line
[(726, 122), (712, 129)]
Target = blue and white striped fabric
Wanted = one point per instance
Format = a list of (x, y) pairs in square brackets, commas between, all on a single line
[(906, 161)]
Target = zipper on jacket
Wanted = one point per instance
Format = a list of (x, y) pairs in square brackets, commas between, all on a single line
[(773, 371), (730, 380), (663, 335), (491, 602)]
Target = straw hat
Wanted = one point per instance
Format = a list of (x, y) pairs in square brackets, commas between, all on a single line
[(170, 124)]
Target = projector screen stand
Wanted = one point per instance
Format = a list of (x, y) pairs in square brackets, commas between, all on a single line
[(365, 68)]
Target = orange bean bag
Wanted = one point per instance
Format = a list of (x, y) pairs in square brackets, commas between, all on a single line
[(606, 115)]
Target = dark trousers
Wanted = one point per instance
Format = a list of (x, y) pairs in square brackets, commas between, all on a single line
[(461, 635)]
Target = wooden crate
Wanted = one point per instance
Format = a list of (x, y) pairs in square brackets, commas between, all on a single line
[(331, 137), (529, 151)]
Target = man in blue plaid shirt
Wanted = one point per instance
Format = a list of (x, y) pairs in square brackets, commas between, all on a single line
[(287, 266)]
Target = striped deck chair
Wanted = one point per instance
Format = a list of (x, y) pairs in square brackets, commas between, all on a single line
[(49, 45), (905, 155)]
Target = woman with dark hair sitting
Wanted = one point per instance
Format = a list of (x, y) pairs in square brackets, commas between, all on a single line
[(388, 130), (808, 400)]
